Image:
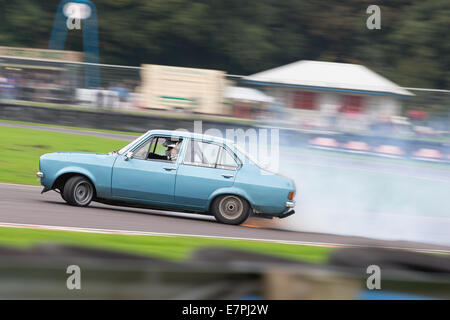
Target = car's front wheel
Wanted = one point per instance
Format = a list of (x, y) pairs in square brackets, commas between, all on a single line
[(61, 192), (78, 191), (230, 209)]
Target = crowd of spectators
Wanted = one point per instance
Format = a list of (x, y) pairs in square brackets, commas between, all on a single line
[(39, 87)]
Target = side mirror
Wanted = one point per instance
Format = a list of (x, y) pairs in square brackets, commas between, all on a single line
[(128, 156)]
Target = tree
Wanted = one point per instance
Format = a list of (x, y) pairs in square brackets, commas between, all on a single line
[(242, 37)]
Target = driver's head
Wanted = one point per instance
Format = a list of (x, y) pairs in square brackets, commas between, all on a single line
[(172, 151)]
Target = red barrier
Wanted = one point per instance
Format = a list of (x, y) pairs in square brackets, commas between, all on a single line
[(390, 150), (324, 142), (428, 153)]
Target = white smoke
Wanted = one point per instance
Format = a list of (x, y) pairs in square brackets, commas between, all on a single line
[(384, 200)]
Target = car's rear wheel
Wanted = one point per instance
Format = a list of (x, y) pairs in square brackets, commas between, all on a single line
[(78, 191), (230, 209)]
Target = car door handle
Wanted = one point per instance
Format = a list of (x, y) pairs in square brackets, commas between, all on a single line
[(170, 168), (227, 175)]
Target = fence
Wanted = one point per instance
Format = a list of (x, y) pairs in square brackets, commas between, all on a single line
[(426, 113)]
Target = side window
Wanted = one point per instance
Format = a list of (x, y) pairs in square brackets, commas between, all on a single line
[(226, 160), (193, 153), (159, 148), (142, 152), (201, 154), (209, 155)]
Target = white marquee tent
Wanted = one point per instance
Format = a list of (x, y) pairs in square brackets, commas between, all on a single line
[(328, 76), (249, 94)]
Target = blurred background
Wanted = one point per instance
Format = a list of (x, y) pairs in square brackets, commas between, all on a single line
[(297, 65), (363, 115)]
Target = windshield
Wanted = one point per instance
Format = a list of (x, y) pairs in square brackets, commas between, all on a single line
[(131, 144)]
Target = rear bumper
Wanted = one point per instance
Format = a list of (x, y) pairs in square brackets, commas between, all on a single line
[(286, 214), (289, 211), (290, 204)]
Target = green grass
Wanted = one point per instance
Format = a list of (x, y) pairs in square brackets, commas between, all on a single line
[(21, 149), (173, 248)]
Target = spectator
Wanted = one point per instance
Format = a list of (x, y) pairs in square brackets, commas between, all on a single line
[(100, 98), (3, 86), (122, 93), (9, 87)]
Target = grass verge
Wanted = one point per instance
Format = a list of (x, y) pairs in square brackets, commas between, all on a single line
[(21, 149), (173, 248)]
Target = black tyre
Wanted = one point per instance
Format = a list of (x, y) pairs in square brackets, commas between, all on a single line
[(61, 193), (78, 191), (230, 209)]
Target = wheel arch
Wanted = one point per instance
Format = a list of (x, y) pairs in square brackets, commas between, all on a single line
[(62, 178), (230, 191)]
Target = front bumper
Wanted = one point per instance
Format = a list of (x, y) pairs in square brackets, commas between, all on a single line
[(45, 190), (41, 176)]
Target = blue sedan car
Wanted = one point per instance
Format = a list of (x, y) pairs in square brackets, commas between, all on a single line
[(171, 170)]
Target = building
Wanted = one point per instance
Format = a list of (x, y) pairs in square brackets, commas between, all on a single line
[(317, 92), (172, 88), (247, 102)]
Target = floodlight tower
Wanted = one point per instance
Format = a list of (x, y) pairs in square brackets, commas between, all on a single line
[(69, 15)]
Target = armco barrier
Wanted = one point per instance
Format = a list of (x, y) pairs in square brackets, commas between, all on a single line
[(119, 121)]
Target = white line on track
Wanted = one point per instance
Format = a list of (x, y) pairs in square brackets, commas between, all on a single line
[(144, 233)]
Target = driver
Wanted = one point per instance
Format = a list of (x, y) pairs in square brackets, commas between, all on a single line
[(172, 152)]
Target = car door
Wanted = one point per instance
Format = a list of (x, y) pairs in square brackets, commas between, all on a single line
[(205, 168), (147, 177)]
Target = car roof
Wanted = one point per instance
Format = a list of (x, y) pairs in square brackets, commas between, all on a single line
[(186, 134)]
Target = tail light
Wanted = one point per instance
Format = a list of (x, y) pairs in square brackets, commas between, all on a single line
[(291, 195)]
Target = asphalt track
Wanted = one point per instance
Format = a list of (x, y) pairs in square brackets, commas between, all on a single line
[(87, 132), (21, 204)]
